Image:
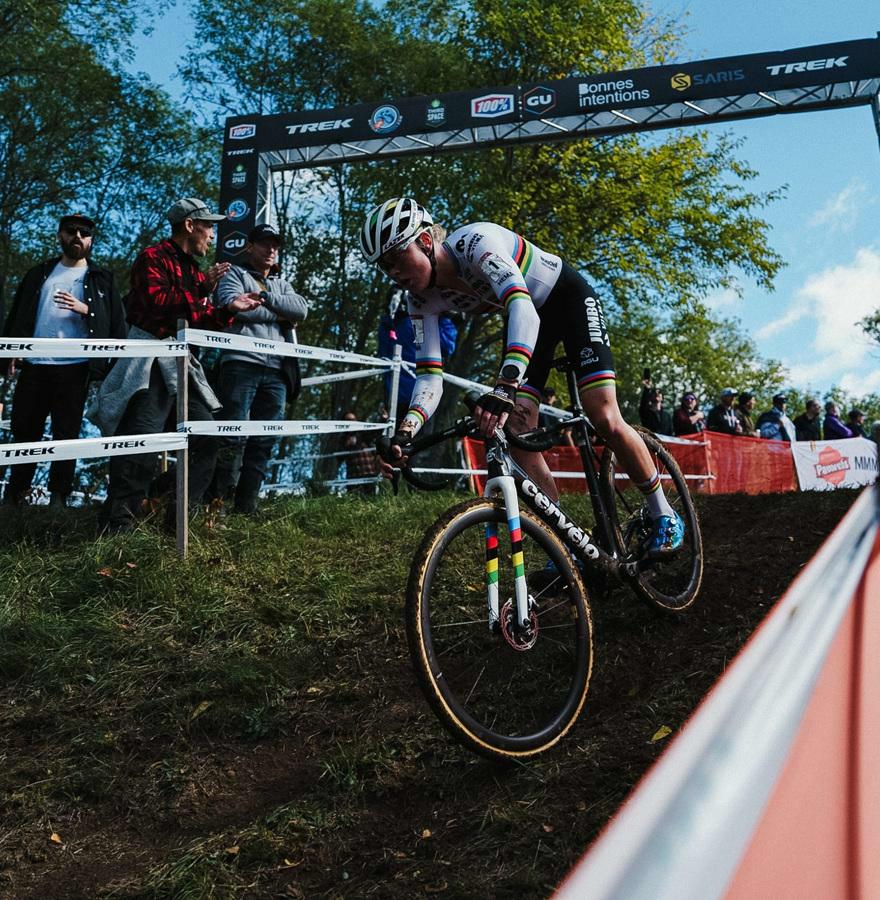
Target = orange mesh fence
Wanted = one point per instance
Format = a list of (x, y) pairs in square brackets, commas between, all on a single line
[(712, 463)]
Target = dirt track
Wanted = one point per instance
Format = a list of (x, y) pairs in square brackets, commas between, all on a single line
[(374, 798)]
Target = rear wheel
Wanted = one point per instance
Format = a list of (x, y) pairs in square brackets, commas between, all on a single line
[(505, 691), (672, 584)]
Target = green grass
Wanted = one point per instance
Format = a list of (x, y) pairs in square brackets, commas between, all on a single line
[(246, 723)]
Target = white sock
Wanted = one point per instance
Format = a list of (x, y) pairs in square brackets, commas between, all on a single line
[(656, 500)]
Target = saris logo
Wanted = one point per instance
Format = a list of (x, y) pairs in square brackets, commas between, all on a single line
[(832, 467)]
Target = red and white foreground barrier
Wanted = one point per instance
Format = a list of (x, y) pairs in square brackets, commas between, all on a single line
[(772, 788)]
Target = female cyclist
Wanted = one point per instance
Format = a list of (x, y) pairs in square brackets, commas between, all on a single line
[(483, 267)]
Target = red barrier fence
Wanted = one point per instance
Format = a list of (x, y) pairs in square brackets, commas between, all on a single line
[(728, 464)]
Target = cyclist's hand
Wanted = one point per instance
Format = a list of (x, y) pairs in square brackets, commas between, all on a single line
[(393, 457), (492, 409)]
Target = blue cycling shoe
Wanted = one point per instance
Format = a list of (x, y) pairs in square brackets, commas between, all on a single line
[(667, 535)]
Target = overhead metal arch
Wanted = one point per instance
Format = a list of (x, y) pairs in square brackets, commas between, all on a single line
[(823, 76)]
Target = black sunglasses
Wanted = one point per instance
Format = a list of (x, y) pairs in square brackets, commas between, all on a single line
[(71, 230)]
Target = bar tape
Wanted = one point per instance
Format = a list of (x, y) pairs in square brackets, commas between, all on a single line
[(226, 341), (231, 427), (87, 448), (27, 348)]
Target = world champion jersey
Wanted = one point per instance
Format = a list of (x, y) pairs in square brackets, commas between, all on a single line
[(501, 271)]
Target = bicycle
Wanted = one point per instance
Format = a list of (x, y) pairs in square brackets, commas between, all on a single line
[(497, 612)]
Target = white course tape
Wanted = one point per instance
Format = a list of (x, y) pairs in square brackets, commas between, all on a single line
[(277, 428), (224, 341), (27, 348), (87, 448), (340, 376)]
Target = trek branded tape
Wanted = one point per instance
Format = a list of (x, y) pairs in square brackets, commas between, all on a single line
[(89, 448)]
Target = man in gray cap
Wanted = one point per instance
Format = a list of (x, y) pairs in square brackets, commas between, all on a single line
[(139, 395), (254, 385), (68, 296)]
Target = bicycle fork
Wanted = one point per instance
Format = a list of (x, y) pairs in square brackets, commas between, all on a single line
[(507, 487)]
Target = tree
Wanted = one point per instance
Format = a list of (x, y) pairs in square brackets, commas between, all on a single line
[(656, 221), (85, 136)]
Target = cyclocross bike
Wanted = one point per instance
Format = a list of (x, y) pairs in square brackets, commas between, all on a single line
[(497, 611)]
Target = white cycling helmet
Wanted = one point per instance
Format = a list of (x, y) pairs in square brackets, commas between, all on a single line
[(393, 225)]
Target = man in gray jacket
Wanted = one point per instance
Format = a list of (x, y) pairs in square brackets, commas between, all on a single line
[(254, 385)]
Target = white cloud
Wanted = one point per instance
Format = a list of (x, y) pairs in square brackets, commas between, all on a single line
[(725, 301), (836, 299), (841, 210), (794, 314)]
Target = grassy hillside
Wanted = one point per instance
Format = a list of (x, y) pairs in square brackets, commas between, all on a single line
[(246, 724)]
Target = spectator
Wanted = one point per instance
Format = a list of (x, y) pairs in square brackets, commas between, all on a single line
[(775, 425), (807, 426), (875, 433), (360, 461), (564, 438), (64, 297), (722, 417), (395, 327), (744, 405), (651, 412), (856, 423), (139, 394), (688, 418), (832, 427), (254, 385)]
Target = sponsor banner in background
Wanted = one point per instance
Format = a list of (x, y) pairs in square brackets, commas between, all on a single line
[(826, 465)]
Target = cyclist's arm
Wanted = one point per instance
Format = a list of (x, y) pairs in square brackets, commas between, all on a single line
[(429, 373), (509, 286)]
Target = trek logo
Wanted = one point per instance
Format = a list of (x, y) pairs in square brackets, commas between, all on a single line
[(33, 451), (273, 428), (102, 348), (228, 428), (539, 100), (242, 132), (119, 445), (576, 535), (19, 348), (263, 345), (217, 339), (812, 65), (490, 106), (326, 125), (681, 81)]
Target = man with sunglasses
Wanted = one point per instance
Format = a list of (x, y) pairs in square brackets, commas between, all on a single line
[(64, 297)]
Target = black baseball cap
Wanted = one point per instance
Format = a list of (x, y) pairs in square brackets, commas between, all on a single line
[(780, 398), (77, 219), (264, 232)]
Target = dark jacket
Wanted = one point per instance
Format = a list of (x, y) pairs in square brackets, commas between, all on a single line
[(658, 420), (722, 418), (106, 317), (808, 429), (747, 422)]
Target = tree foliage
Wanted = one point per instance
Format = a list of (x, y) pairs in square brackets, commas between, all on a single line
[(657, 222), (77, 132)]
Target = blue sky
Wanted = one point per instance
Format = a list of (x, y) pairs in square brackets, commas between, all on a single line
[(827, 227)]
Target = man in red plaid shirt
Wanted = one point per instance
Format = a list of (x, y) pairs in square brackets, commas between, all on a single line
[(139, 394)]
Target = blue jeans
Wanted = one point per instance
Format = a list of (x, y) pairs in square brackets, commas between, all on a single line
[(247, 391)]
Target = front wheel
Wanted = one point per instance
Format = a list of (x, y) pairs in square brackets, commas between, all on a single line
[(672, 584), (506, 691)]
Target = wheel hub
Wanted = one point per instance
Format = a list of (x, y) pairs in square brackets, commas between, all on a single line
[(520, 637)]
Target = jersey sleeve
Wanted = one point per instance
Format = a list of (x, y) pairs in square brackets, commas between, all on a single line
[(429, 371), (509, 286)]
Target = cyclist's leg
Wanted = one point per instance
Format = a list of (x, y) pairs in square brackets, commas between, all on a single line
[(528, 397), (587, 345)]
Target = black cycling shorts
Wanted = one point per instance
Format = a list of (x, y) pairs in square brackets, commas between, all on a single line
[(572, 315)]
